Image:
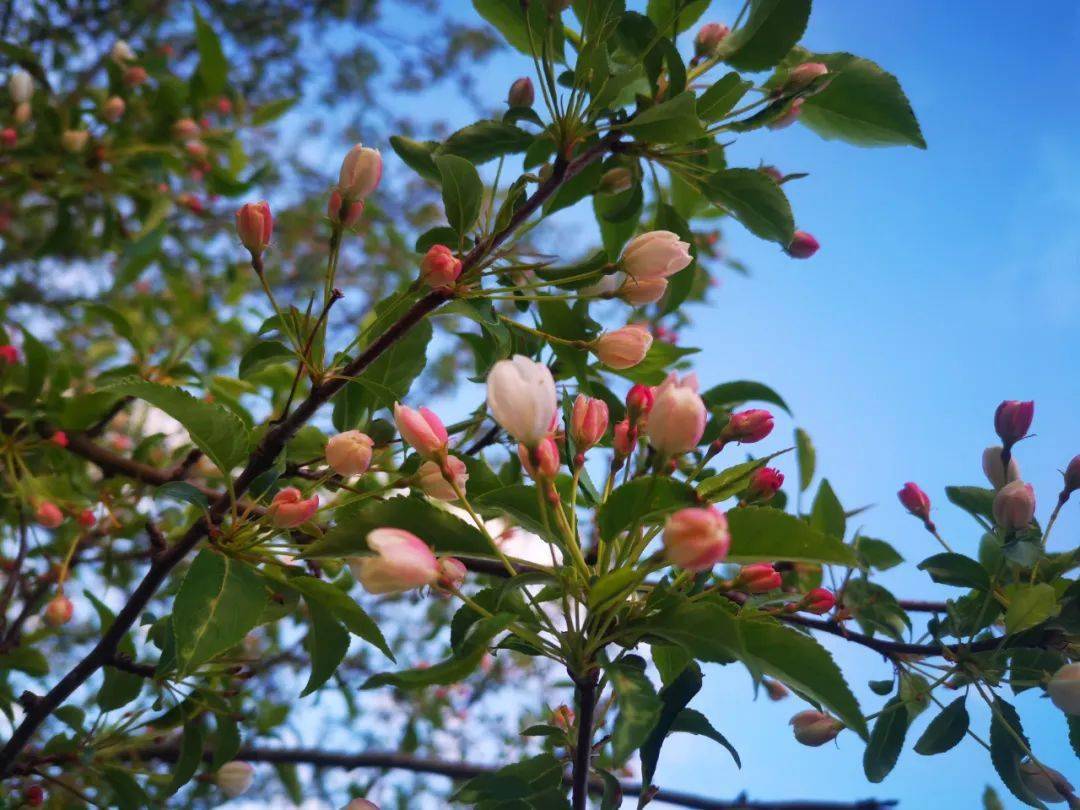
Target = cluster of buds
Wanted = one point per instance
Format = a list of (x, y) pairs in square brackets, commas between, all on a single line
[(1014, 504)]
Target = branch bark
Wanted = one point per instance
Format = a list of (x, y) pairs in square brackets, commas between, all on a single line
[(267, 451), (392, 760)]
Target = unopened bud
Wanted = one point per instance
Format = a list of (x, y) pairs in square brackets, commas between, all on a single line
[(121, 52), (789, 117), (542, 461), (114, 108), (522, 93), (804, 74), (624, 348), (360, 172), (440, 268), (815, 728), (764, 484), (48, 514), (916, 502), (234, 778), (1012, 419), (135, 75), (624, 439), (74, 140), (254, 226), (748, 426), (341, 213), (757, 578), (642, 292), (616, 180), (8, 137), (709, 37), (819, 601), (776, 690), (639, 401), (452, 572), (1046, 783), (185, 129), (994, 468), (1014, 506), (21, 86), (1064, 689), (563, 717), (802, 246), (1071, 478), (59, 610)]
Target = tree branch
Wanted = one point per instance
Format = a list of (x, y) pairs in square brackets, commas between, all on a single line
[(392, 760), (267, 451)]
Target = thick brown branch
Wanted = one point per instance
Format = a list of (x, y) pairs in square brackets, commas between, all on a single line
[(392, 760), (266, 453)]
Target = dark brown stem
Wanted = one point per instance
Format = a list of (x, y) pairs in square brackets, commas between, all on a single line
[(263, 457), (585, 701)]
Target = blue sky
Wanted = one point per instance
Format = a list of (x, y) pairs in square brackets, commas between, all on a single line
[(947, 281)]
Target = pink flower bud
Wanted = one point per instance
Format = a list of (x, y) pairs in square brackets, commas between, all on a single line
[(802, 246), (804, 74), (656, 254), (440, 268), (349, 453), (1046, 783), (819, 601), (421, 429), (589, 421), (74, 140), (361, 804), (197, 149), (776, 690), (815, 728), (678, 416), (114, 108), (1064, 689), (254, 225), (59, 438), (995, 470), (624, 439), (639, 401), (521, 398), (452, 573), (1012, 419), (289, 509), (185, 129), (360, 173), (34, 795), (915, 501), (121, 52), (522, 93), (20, 86), (23, 112), (625, 347), (435, 482), (48, 514), (1014, 505), (789, 117), (402, 562), (758, 578), (708, 38), (616, 181), (9, 137), (234, 778), (135, 75), (1071, 476), (344, 213), (59, 611), (695, 539), (764, 484), (87, 518), (748, 426), (224, 105), (641, 292), (541, 461)]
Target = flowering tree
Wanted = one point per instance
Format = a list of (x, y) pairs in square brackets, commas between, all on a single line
[(203, 480)]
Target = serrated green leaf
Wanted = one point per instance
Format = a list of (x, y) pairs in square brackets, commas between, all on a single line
[(691, 721), (946, 730), (956, 569), (772, 28), (674, 121), (646, 499), (886, 740), (762, 534), (462, 191), (343, 607), (755, 200), (806, 458), (732, 394), (213, 68), (827, 514), (1030, 605), (722, 96)]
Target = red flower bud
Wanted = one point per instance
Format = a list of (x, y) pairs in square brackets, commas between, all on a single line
[(819, 601), (773, 172), (87, 518), (915, 501), (804, 74), (1072, 477), (802, 246), (35, 795), (540, 462), (9, 137), (452, 573), (764, 483), (639, 401), (9, 355), (748, 426), (589, 421), (350, 216), (135, 75), (59, 438), (1012, 420), (48, 514), (254, 225), (522, 93), (789, 117), (815, 728), (624, 439), (709, 37), (758, 578)]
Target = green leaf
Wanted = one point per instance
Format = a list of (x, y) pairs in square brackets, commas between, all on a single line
[(227, 744), (25, 659), (338, 603), (1074, 733), (1030, 605), (465, 658), (416, 155), (639, 707), (956, 569), (191, 750), (327, 643), (974, 500), (462, 191), (508, 16), (389, 378), (213, 69), (36, 365), (444, 532), (1007, 753), (877, 553), (675, 696), (692, 721), (675, 16), (262, 354), (486, 140), (762, 534), (755, 200), (990, 800), (721, 98), (827, 514), (711, 631), (215, 430), (532, 784), (654, 368), (946, 730), (733, 480), (183, 491), (772, 28), (272, 110), (645, 499), (732, 394), (612, 585), (127, 793), (219, 602), (861, 104), (118, 688), (886, 740), (673, 121), (806, 457)]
